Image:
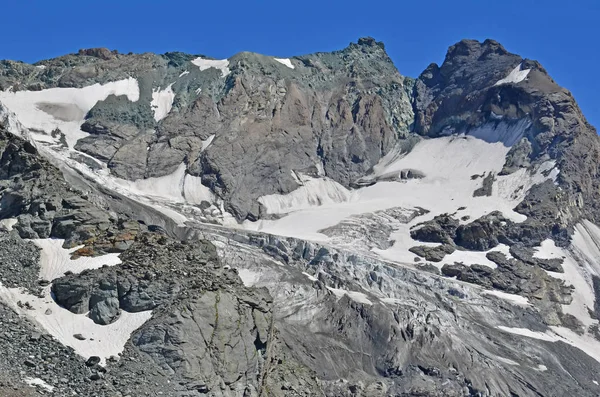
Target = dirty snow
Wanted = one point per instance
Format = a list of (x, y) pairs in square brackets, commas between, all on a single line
[(355, 296), (249, 277), (33, 382), (162, 102), (515, 76), (222, 65), (178, 187), (285, 61), (55, 260), (315, 192), (586, 343), (63, 108)]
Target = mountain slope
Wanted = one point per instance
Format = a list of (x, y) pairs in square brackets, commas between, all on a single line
[(304, 226)]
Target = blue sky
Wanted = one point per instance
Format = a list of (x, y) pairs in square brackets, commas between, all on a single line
[(563, 36)]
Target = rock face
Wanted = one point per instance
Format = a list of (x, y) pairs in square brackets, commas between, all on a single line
[(494, 302), (467, 91), (335, 114)]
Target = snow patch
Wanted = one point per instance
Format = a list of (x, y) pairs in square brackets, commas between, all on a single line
[(206, 143), (101, 340), (541, 368), (515, 76), (355, 296), (184, 73), (474, 257), (55, 261), (33, 382), (162, 102), (506, 361), (513, 298), (285, 61), (222, 65), (8, 223), (63, 108), (311, 278), (546, 336), (194, 192), (249, 277)]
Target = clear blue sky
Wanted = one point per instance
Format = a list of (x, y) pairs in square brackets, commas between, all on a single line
[(563, 35)]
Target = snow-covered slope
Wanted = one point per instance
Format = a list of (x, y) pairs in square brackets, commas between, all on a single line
[(43, 112)]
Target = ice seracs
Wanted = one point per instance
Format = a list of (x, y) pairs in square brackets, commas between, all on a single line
[(515, 76), (221, 64), (162, 102)]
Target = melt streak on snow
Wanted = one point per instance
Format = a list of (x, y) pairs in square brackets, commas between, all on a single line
[(515, 76), (285, 61), (222, 64), (162, 102), (62, 108)]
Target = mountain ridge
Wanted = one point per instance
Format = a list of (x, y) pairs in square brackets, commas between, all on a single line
[(313, 225)]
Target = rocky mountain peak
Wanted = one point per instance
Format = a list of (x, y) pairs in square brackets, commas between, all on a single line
[(312, 225), (102, 53)]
